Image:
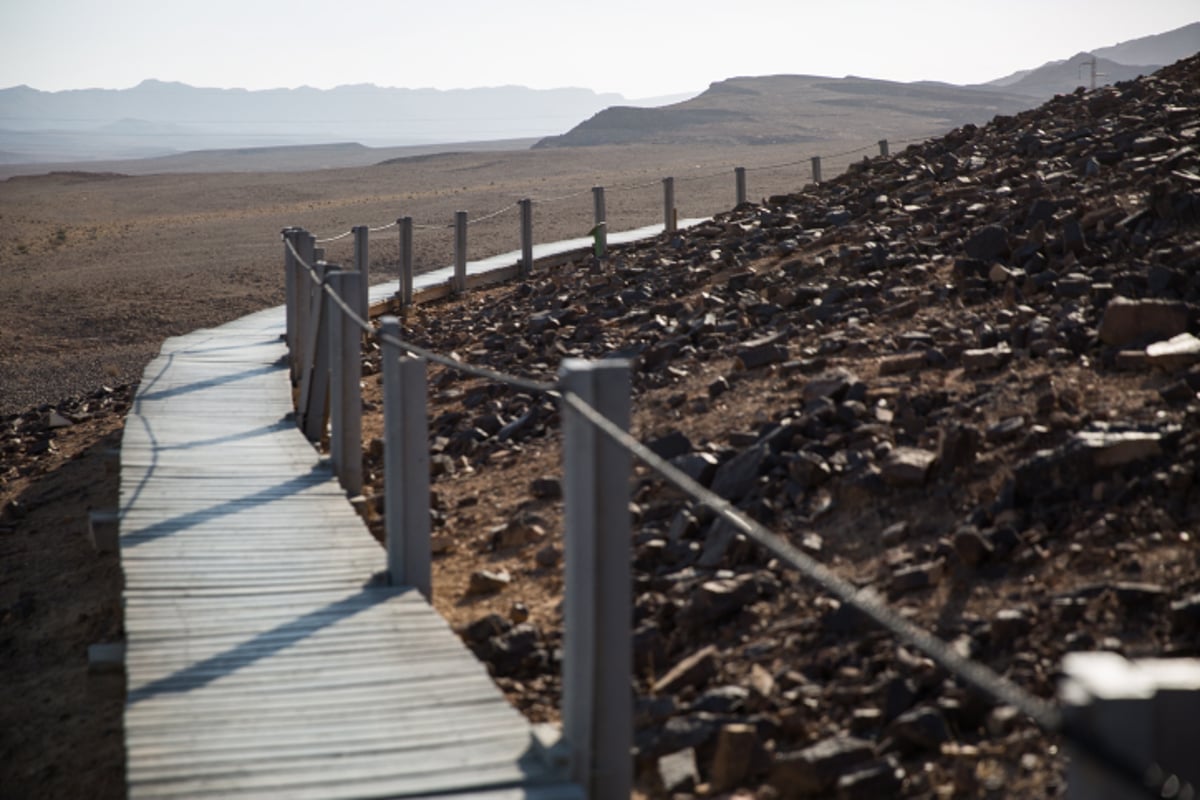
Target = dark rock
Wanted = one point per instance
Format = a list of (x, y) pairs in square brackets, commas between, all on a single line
[(1126, 321), (695, 670), (988, 243), (908, 466), (922, 728), (817, 768), (972, 547), (737, 476), (546, 488), (672, 445)]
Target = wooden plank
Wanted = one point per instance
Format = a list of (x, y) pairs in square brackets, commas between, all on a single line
[(264, 657)]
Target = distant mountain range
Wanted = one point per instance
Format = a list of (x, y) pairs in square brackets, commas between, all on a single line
[(808, 108), (157, 118)]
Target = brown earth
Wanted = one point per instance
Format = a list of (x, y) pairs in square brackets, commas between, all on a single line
[(97, 269), (905, 371)]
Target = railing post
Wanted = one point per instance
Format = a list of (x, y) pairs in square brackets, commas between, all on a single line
[(600, 215), (460, 252), (305, 245), (816, 169), (345, 391), (526, 236), (883, 147), (362, 264), (406, 465), (405, 224), (739, 179), (314, 384), (597, 706), (289, 292), (669, 205), (1144, 709)]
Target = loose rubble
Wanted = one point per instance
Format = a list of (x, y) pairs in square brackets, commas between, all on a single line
[(964, 377)]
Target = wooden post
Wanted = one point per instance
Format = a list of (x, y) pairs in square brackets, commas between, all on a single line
[(669, 205), (361, 263), (314, 382), (459, 285), (600, 216), (305, 246), (405, 224), (883, 147), (739, 179), (289, 292), (816, 169), (345, 392), (597, 706), (526, 236), (406, 465), (1145, 710)]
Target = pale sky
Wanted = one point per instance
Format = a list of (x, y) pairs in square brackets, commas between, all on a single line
[(638, 48)]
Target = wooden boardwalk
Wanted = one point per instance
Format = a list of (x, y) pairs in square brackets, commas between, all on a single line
[(265, 655)]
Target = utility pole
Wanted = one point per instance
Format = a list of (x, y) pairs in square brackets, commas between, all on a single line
[(1092, 64)]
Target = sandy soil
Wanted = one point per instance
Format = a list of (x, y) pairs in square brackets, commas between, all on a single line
[(97, 269)]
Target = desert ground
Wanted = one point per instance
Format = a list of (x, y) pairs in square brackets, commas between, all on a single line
[(97, 268)]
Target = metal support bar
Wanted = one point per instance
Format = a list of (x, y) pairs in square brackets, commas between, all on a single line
[(345, 392), (600, 215), (883, 147), (816, 169), (314, 384), (669, 205), (406, 465), (405, 224), (305, 246), (289, 292), (597, 707), (526, 236), (362, 264), (460, 252), (739, 179)]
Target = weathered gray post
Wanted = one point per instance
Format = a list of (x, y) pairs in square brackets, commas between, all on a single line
[(597, 706), (816, 169), (360, 302), (405, 224), (526, 236), (600, 216), (460, 253), (314, 386), (305, 246), (289, 291), (883, 147), (669, 205), (739, 179), (1145, 710), (345, 391), (406, 465)]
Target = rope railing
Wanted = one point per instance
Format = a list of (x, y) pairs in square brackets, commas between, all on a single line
[(632, 186), (1131, 772)]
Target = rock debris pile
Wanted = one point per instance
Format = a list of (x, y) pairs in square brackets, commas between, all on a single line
[(964, 376)]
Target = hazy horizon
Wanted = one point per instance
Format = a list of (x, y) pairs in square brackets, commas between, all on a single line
[(633, 49)]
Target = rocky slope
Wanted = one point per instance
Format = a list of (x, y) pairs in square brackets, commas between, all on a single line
[(962, 376)]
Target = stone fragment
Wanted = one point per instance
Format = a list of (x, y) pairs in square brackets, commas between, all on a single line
[(917, 576), (979, 359), (871, 781), (700, 467), (901, 363), (677, 771), (1185, 613), (761, 355), (695, 670), (487, 582), (738, 747), (922, 728), (1115, 449), (671, 445), (56, 420), (546, 488), (548, 557), (971, 546), (715, 600), (1178, 352), (1126, 321), (988, 243), (908, 466), (737, 476), (817, 768)]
